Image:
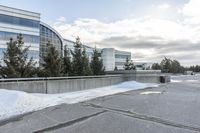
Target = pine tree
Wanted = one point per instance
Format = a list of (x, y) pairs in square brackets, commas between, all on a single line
[(132, 66), (116, 69), (166, 64), (52, 62), (127, 64), (77, 63), (156, 66), (86, 65), (67, 62), (195, 68), (175, 67), (171, 66), (97, 64), (16, 61)]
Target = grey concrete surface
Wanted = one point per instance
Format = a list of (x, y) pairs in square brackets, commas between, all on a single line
[(49, 117), (174, 110), (116, 123)]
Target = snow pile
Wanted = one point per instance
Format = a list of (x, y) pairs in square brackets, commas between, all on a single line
[(150, 92), (185, 78), (176, 81), (16, 102)]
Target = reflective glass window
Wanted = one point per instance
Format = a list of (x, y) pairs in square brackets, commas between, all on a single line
[(19, 21), (26, 38)]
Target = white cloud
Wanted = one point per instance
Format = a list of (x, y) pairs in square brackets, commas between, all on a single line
[(191, 12), (91, 30), (62, 19), (147, 29), (164, 6), (192, 8)]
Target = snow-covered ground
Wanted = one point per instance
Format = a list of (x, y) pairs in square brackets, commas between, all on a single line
[(186, 78), (16, 102)]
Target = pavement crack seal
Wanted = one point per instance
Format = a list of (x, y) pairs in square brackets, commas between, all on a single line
[(146, 118), (69, 123)]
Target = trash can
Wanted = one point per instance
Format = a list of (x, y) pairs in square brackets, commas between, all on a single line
[(162, 79)]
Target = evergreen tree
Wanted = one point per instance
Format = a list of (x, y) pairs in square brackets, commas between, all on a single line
[(67, 62), (171, 66), (52, 62), (127, 64), (86, 65), (116, 69), (156, 66), (175, 67), (166, 64), (77, 63), (16, 61), (97, 64), (132, 66), (195, 68)]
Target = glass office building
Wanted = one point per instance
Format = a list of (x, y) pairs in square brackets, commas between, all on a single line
[(15, 21), (70, 45), (114, 58), (48, 34), (37, 34)]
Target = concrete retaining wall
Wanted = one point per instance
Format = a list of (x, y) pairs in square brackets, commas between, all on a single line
[(70, 84), (27, 86), (143, 76), (59, 85)]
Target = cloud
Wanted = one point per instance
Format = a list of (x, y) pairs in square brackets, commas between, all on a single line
[(192, 8), (191, 11), (146, 50), (164, 6), (62, 19), (91, 30), (148, 38)]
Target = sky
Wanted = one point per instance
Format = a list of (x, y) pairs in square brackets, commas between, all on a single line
[(150, 29)]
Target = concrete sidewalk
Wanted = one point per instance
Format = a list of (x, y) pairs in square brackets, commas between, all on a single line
[(174, 110)]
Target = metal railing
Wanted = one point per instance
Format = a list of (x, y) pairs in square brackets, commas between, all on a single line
[(55, 78)]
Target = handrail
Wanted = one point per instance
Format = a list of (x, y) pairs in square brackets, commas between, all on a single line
[(55, 78)]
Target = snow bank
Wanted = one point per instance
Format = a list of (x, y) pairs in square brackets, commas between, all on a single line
[(16, 102), (185, 78), (150, 92)]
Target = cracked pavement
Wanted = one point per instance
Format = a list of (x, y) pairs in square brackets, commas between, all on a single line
[(174, 110)]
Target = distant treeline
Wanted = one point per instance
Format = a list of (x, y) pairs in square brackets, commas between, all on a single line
[(194, 68), (173, 66)]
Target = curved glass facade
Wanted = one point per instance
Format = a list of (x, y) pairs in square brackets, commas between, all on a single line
[(47, 35), (19, 21), (27, 38)]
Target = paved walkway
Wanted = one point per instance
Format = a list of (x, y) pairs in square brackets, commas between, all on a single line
[(175, 110)]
